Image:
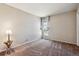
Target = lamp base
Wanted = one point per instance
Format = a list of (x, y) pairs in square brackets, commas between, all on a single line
[(8, 44)]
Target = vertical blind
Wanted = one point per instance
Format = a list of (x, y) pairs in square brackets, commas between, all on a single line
[(44, 27)]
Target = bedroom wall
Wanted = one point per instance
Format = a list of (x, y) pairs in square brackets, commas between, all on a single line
[(25, 27), (77, 25), (63, 27)]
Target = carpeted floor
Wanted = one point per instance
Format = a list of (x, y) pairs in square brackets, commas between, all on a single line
[(46, 48)]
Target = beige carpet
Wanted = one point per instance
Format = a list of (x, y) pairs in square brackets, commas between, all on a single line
[(46, 48)]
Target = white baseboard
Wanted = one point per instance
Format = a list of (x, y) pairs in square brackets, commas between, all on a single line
[(25, 43)]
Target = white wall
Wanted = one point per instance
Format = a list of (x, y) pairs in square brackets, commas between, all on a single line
[(77, 26), (63, 27), (25, 27)]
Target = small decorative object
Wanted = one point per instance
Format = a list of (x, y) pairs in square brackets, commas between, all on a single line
[(8, 43)]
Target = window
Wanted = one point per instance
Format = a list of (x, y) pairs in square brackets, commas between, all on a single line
[(44, 27)]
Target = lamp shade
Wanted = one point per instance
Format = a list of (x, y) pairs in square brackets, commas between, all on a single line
[(8, 31)]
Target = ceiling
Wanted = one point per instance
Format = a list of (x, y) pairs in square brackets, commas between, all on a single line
[(44, 9)]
